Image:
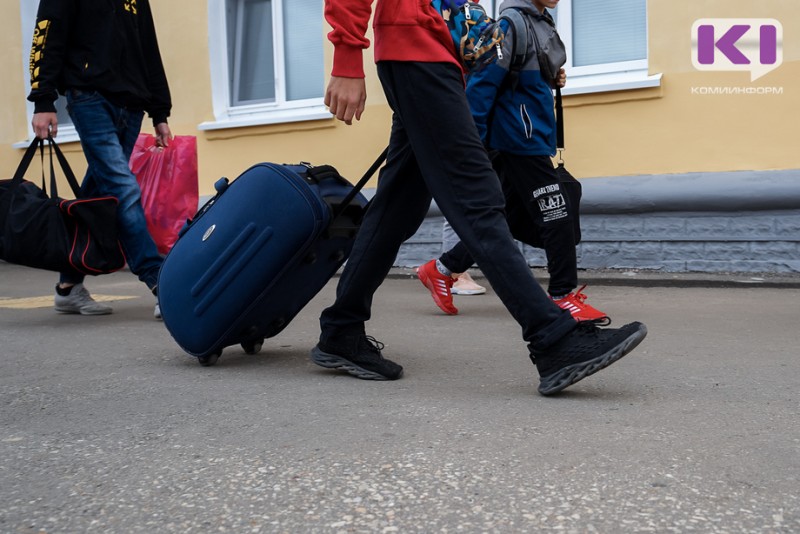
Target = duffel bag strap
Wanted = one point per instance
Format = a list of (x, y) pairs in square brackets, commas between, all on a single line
[(71, 180), (27, 158), (361, 183), (22, 168)]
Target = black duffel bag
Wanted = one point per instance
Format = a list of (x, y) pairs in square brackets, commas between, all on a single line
[(41, 230)]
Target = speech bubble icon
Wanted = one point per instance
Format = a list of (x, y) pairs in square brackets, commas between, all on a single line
[(754, 45)]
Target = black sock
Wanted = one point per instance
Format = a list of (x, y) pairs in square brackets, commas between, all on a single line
[(64, 291)]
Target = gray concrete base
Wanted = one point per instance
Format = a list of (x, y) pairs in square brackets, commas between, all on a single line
[(700, 222), (742, 222)]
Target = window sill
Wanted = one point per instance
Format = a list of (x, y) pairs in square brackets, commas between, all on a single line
[(615, 81), (266, 118), (67, 135)]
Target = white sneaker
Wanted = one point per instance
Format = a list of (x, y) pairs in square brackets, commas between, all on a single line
[(157, 313), (80, 301), (465, 285)]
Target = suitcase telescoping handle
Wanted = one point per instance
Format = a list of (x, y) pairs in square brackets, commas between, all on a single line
[(361, 183)]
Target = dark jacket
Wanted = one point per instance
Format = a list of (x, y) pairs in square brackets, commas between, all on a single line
[(108, 46), (514, 110)]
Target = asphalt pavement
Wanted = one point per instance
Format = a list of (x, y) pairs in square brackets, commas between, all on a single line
[(106, 425)]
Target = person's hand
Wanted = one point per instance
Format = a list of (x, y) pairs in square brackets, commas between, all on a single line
[(346, 97), (561, 79), (163, 134), (45, 124)]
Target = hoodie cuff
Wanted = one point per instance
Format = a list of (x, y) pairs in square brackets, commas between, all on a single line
[(44, 106), (348, 62), (158, 119)]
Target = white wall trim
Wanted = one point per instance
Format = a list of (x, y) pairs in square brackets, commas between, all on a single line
[(612, 81), (278, 116)]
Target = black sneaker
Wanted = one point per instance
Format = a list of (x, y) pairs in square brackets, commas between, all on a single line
[(583, 352), (359, 355)]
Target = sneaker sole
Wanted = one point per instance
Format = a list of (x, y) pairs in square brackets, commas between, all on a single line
[(600, 321), (73, 311), (575, 373), (426, 281), (467, 291), (332, 361)]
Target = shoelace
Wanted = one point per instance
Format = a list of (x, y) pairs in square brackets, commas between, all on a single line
[(584, 328), (590, 328), (579, 295), (84, 295), (373, 344)]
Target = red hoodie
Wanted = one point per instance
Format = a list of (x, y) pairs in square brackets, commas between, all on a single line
[(405, 30)]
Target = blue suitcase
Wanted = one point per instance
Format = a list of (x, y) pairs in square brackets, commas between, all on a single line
[(256, 253)]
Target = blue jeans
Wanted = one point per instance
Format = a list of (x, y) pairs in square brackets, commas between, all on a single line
[(107, 134)]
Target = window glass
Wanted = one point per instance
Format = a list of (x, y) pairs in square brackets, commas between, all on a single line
[(267, 62), (303, 42), (274, 63), (608, 31), (250, 46)]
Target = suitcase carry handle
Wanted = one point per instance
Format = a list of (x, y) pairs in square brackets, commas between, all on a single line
[(360, 184)]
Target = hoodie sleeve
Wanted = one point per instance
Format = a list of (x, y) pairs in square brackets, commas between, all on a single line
[(483, 85), (349, 20), (160, 99), (48, 50)]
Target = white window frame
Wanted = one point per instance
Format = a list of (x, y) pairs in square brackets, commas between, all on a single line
[(230, 116), (27, 11), (617, 76), (604, 77)]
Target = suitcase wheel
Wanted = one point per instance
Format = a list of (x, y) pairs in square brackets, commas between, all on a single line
[(253, 347), (211, 359)]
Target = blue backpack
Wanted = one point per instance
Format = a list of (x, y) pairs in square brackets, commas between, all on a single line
[(476, 36)]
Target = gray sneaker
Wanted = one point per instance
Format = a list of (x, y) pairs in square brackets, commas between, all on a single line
[(80, 301)]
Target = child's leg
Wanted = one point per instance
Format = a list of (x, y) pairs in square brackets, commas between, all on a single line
[(530, 183)]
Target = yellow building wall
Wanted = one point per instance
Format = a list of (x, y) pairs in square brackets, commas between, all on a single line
[(670, 130), (13, 116), (181, 26), (647, 131)]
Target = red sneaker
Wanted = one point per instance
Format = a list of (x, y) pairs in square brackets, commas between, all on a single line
[(439, 285), (575, 303)]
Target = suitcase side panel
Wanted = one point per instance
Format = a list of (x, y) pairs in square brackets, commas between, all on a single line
[(260, 224), (287, 296), (272, 311), (230, 264)]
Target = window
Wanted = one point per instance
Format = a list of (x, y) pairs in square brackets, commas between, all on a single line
[(606, 43), (267, 61), (66, 131)]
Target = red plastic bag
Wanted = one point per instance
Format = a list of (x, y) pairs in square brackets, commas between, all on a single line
[(168, 179)]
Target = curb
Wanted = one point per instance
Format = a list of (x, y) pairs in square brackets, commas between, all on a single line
[(640, 278)]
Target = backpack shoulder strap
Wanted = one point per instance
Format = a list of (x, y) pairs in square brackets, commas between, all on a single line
[(520, 29)]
